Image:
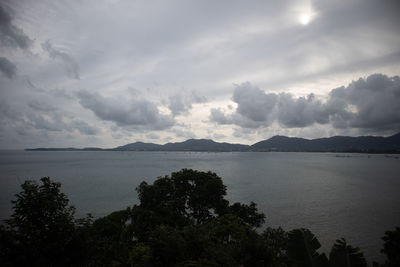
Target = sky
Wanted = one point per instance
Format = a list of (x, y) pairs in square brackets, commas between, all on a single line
[(98, 73)]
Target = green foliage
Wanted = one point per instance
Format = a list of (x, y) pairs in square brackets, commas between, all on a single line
[(140, 255), (276, 242), (201, 225), (182, 220), (344, 255), (248, 214), (41, 230), (40, 210), (111, 238), (391, 247), (191, 194), (167, 245)]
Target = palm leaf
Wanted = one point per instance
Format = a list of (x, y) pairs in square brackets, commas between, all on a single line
[(344, 255), (302, 249)]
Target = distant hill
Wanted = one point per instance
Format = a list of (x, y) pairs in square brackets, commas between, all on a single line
[(139, 146), (363, 144), (188, 145), (369, 144), (204, 145)]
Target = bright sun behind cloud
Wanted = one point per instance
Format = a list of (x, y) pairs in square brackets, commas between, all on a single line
[(305, 18), (305, 14)]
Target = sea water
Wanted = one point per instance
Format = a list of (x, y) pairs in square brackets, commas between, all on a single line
[(355, 196)]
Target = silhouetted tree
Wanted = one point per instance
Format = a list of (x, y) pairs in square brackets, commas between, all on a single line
[(181, 220), (302, 249), (112, 239), (248, 214), (391, 247), (192, 194), (276, 242), (190, 206), (344, 255), (41, 230)]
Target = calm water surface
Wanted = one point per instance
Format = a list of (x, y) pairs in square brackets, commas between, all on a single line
[(355, 196)]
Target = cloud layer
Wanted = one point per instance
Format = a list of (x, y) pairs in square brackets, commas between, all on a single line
[(182, 103), (44, 118), (371, 104), (71, 66), (10, 34), (7, 68), (114, 72), (138, 113)]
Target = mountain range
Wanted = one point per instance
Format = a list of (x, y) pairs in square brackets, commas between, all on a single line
[(366, 144)]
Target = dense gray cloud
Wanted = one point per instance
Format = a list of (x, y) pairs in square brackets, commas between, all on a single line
[(41, 122), (371, 104), (356, 13), (255, 108), (70, 64), (7, 68), (40, 106), (177, 105), (11, 35), (133, 112), (7, 113), (62, 93), (205, 46), (301, 112), (376, 100), (57, 92), (182, 103), (217, 115), (53, 120), (254, 104), (57, 123)]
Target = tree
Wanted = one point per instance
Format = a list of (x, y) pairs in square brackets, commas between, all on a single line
[(191, 194), (344, 255), (182, 220), (112, 239), (41, 229), (276, 242), (391, 247), (247, 214), (302, 249)]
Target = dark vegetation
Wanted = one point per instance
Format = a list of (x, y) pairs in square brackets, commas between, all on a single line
[(362, 144), (182, 220)]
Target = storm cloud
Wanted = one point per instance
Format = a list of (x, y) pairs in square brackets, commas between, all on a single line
[(49, 119), (181, 103), (253, 103), (134, 112), (66, 69), (59, 123), (41, 106), (71, 66), (7, 68), (370, 104), (11, 35)]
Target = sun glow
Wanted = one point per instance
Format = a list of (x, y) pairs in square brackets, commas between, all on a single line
[(305, 18), (305, 13)]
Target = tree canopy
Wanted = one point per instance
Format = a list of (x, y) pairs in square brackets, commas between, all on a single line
[(181, 220), (42, 227)]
